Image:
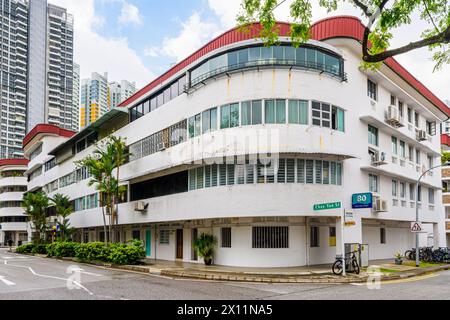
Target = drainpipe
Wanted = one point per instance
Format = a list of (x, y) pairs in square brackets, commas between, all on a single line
[(307, 241)]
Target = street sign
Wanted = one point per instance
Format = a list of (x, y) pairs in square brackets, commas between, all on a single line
[(362, 200), (327, 206), (416, 227)]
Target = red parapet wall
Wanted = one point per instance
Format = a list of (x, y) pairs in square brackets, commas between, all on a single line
[(445, 140), (47, 129), (13, 162)]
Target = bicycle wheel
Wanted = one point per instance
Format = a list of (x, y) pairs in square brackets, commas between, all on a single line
[(408, 254), (337, 268), (356, 268)]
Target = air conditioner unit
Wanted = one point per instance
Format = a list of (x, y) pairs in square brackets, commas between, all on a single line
[(380, 205), (421, 135), (140, 206), (379, 159), (393, 116), (161, 146)]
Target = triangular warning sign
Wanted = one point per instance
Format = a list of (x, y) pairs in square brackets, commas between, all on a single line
[(416, 228)]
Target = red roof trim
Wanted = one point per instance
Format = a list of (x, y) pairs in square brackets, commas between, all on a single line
[(445, 140), (334, 27), (13, 162), (47, 129)]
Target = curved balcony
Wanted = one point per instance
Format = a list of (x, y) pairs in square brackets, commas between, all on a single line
[(11, 196), (13, 181), (11, 212), (13, 226)]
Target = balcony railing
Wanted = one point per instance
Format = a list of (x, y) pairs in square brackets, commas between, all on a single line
[(304, 65)]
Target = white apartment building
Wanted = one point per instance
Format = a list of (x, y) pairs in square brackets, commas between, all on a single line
[(244, 141), (13, 184), (36, 70), (120, 91)]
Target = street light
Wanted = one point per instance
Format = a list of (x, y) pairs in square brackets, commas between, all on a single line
[(417, 208)]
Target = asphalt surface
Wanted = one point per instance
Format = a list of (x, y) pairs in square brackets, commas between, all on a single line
[(34, 278)]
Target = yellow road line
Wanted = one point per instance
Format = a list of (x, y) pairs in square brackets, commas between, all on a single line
[(414, 279)]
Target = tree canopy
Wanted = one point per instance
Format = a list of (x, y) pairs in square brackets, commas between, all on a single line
[(383, 16)]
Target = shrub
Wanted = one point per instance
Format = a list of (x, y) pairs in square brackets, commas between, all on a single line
[(94, 251), (39, 249), (204, 245), (25, 249), (62, 249), (123, 254)]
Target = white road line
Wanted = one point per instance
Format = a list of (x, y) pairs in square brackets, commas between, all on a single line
[(7, 282), (50, 277)]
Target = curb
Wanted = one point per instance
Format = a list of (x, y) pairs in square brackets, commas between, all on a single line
[(215, 275)]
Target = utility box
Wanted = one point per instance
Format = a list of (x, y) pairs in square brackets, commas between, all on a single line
[(361, 252)]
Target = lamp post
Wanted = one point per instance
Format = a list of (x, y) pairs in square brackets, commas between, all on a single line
[(417, 208)]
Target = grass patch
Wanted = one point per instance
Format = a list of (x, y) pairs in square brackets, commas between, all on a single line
[(422, 264), (386, 270)]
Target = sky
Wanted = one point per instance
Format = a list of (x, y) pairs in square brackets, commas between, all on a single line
[(138, 40)]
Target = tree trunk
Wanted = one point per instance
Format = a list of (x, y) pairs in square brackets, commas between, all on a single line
[(104, 218)]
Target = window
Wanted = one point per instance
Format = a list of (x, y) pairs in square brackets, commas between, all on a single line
[(270, 237), (332, 237), (431, 128), (136, 235), (410, 115), (431, 196), (394, 188), (393, 100), (412, 192), (298, 112), (417, 156), (419, 193), (321, 114), (226, 237), (372, 90), (164, 236), (314, 237), (209, 120), (430, 162), (402, 190), (337, 116), (416, 119), (402, 149), (394, 146), (229, 116), (373, 136), (400, 109), (195, 125), (382, 235), (373, 183), (251, 112), (275, 111), (411, 153)]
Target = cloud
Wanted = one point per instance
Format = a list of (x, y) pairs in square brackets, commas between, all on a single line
[(130, 14), (194, 33), (97, 53)]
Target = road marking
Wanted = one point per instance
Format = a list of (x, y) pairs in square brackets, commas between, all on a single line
[(85, 272), (399, 281), (7, 282)]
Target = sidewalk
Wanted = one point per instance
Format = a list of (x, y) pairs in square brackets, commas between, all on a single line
[(311, 274)]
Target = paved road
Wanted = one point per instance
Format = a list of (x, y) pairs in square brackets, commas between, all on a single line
[(44, 279)]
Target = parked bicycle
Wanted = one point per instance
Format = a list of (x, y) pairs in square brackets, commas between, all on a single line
[(350, 261), (427, 254)]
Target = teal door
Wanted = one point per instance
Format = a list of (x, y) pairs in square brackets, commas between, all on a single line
[(148, 242)]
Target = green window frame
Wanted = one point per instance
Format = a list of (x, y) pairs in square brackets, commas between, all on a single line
[(298, 112), (229, 116), (251, 112), (373, 135), (275, 111)]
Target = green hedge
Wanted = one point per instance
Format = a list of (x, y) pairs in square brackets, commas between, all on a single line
[(25, 249), (62, 249), (120, 254)]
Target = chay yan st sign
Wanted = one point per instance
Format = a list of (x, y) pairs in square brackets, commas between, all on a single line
[(327, 206)]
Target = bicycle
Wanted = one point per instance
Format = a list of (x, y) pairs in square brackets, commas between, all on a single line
[(337, 266)]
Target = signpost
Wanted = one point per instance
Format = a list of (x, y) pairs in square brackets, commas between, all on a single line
[(331, 206), (416, 227)]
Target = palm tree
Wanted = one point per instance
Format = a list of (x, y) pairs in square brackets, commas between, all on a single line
[(64, 210), (34, 205), (101, 164), (122, 154), (97, 172)]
